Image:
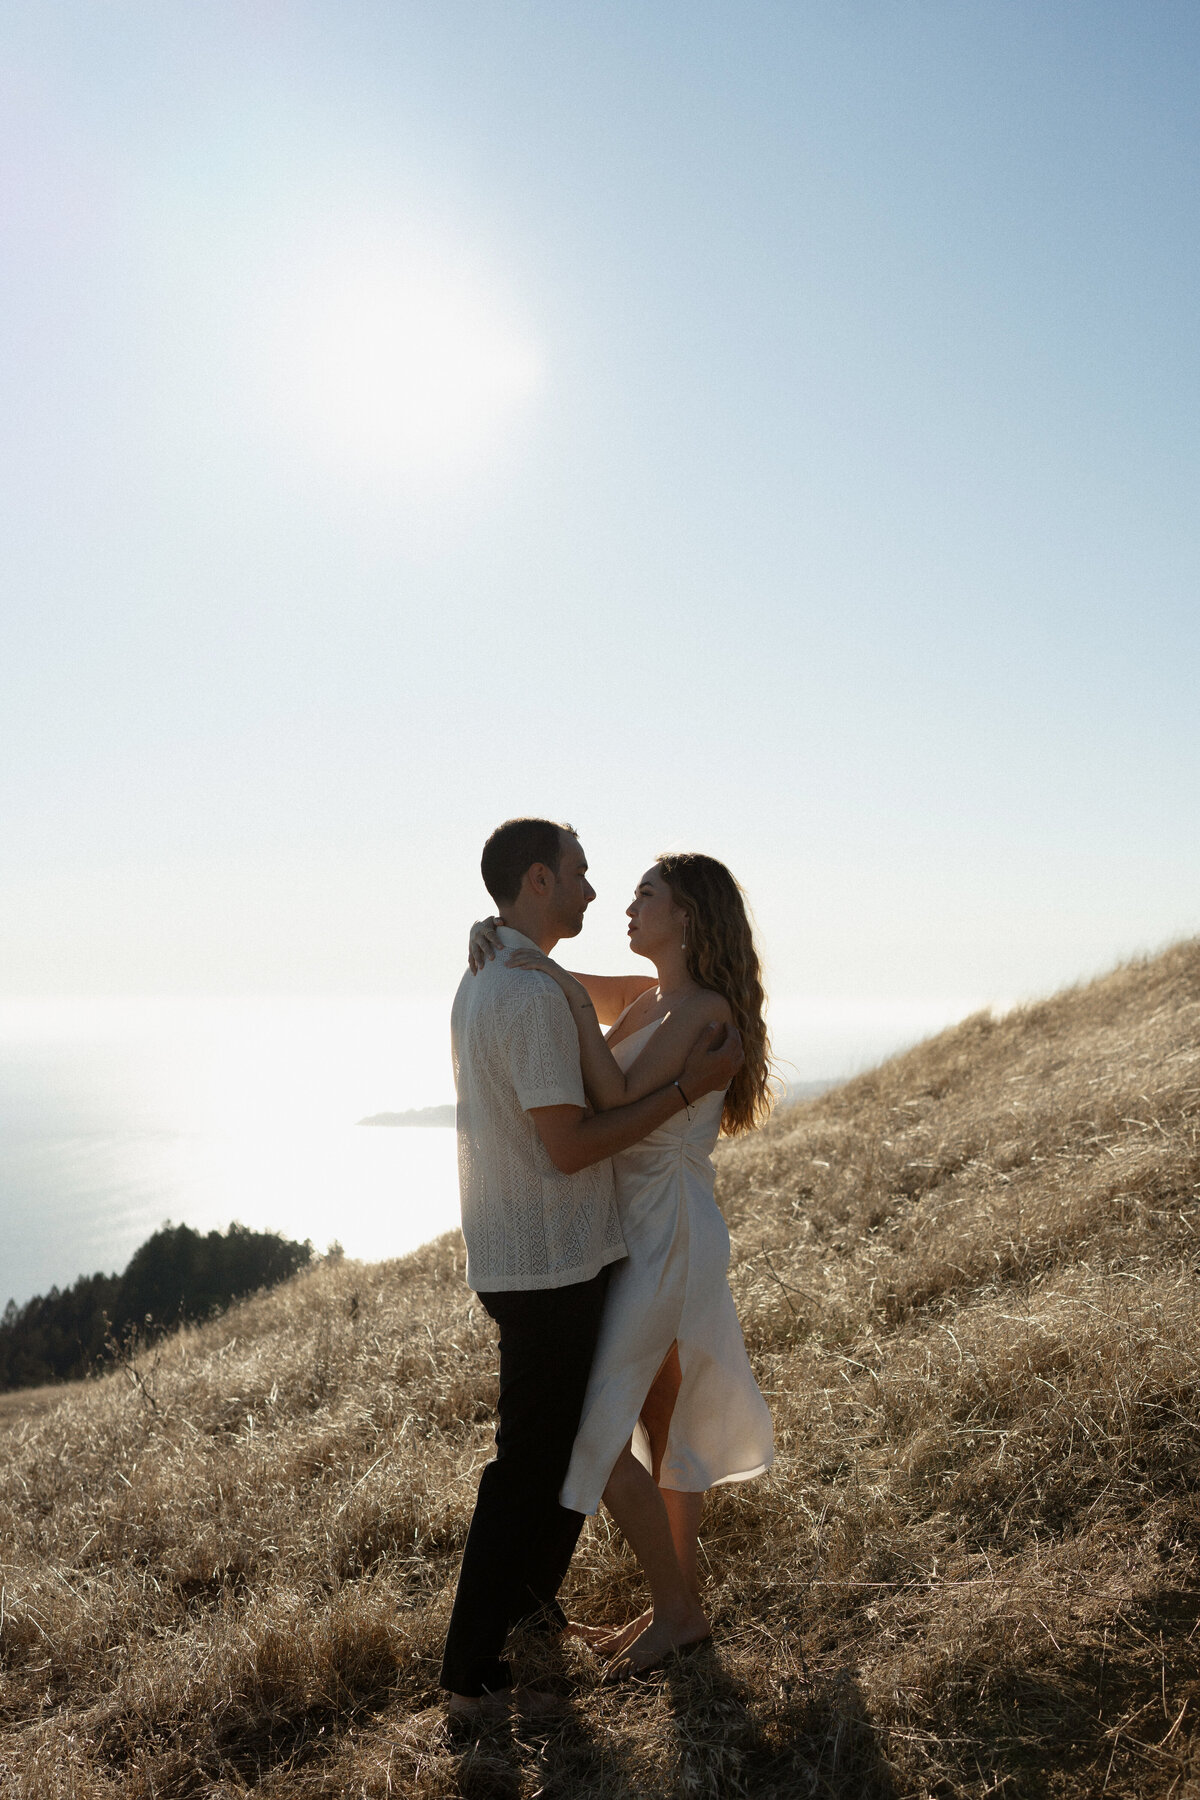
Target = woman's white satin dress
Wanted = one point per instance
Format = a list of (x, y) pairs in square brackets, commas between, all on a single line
[(671, 1288)]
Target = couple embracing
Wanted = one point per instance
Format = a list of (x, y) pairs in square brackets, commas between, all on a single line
[(594, 1242)]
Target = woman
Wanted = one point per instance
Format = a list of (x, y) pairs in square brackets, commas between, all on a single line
[(672, 1407)]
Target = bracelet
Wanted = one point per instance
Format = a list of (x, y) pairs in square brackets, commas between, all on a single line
[(687, 1104)]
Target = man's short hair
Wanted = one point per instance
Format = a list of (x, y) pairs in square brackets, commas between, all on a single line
[(513, 848)]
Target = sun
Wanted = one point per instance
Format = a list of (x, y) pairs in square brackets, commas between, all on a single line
[(406, 371)]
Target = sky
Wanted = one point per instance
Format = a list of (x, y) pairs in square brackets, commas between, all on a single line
[(769, 429)]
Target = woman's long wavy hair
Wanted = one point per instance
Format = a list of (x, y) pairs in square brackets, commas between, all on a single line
[(721, 956)]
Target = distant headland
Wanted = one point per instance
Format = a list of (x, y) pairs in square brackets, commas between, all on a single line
[(421, 1115)]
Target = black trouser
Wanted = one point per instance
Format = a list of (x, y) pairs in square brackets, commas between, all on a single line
[(521, 1540)]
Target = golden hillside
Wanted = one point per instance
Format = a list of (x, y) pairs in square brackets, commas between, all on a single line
[(969, 1285)]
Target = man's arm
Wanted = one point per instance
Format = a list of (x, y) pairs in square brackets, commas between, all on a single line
[(574, 1139)]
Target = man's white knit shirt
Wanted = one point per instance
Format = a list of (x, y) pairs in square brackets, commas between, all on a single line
[(515, 1047)]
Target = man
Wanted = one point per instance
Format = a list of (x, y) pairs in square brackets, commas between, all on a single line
[(540, 1222)]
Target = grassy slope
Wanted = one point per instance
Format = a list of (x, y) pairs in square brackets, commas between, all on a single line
[(969, 1284)]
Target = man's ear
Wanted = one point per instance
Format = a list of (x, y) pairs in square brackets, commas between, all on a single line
[(540, 879)]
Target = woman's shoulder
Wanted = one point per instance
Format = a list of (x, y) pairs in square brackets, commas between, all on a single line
[(704, 1006)]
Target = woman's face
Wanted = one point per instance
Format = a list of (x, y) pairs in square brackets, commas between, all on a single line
[(655, 921)]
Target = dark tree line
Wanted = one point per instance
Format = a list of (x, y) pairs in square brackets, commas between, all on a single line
[(176, 1275)]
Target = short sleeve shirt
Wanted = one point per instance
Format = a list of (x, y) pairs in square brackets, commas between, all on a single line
[(515, 1047)]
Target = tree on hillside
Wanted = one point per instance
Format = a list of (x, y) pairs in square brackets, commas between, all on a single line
[(177, 1275), (180, 1274)]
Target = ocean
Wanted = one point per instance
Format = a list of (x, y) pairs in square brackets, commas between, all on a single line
[(118, 1115)]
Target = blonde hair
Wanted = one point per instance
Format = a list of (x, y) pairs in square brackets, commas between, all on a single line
[(721, 957)]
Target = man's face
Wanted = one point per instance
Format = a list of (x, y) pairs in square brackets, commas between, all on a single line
[(573, 892)]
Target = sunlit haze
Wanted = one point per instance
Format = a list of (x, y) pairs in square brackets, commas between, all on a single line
[(767, 430), (400, 375)]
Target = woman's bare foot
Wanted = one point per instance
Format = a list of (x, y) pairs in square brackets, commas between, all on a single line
[(614, 1642), (594, 1636), (603, 1639), (660, 1639)]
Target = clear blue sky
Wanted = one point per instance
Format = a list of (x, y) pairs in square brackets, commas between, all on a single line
[(764, 428)]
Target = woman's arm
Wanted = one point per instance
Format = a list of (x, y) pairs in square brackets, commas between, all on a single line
[(575, 1139), (612, 994), (606, 1083), (603, 1077)]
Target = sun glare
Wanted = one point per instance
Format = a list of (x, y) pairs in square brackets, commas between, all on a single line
[(406, 372)]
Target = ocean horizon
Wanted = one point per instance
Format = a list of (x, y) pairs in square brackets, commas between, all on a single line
[(117, 1115)]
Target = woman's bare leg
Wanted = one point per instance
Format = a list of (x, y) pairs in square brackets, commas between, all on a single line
[(677, 1617), (659, 1406), (683, 1510), (656, 1417), (683, 1516)]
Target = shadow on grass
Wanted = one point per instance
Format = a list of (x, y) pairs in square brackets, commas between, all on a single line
[(819, 1742), (699, 1739), (570, 1756), (1113, 1716)]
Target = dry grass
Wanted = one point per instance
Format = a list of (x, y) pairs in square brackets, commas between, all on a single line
[(969, 1283)]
